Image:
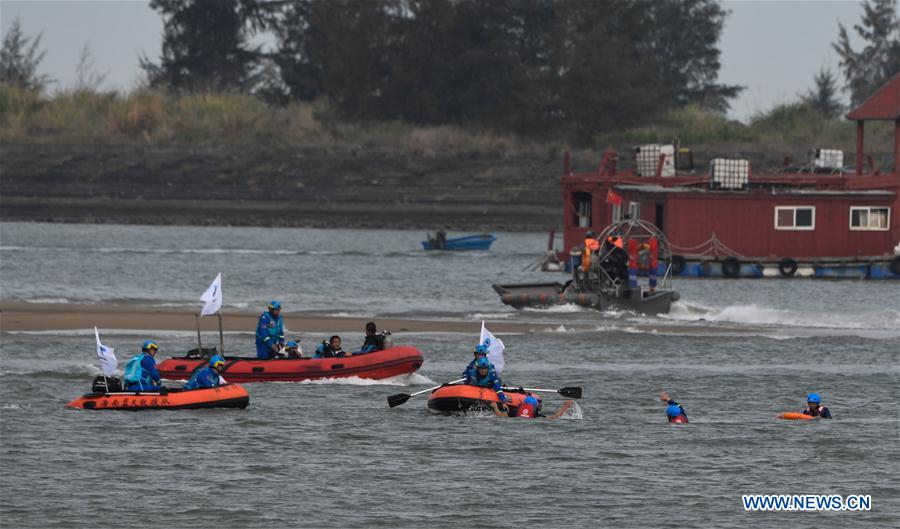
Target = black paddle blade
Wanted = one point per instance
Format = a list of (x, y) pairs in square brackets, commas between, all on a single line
[(571, 392), (398, 399)]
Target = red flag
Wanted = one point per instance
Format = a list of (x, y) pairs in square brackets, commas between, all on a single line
[(613, 198)]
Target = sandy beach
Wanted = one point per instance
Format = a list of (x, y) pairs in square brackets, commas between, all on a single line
[(21, 316)]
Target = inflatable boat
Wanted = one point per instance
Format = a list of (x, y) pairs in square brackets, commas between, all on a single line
[(224, 396), (461, 398), (380, 364)]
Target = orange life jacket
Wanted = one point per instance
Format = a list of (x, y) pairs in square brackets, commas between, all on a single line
[(590, 245)]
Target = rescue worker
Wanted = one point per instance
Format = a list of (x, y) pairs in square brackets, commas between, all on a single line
[(531, 409), (270, 332), (140, 372), (674, 412), (591, 247), (814, 407), (209, 376), (615, 260), (293, 350), (373, 341), (486, 377), (480, 351), (331, 348)]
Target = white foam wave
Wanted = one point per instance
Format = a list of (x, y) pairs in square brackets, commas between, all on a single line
[(48, 301), (489, 316), (760, 315), (410, 379), (562, 309)]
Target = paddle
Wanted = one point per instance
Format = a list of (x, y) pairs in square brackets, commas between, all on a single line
[(570, 392), (400, 398)]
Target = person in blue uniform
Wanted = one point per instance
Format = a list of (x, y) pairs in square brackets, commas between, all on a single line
[(480, 352), (270, 332), (814, 407), (140, 372), (486, 377), (209, 376), (674, 411)]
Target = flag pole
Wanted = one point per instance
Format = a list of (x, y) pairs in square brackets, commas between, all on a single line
[(221, 335), (199, 343)]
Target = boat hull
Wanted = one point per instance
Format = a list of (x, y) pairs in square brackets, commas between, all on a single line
[(538, 295), (460, 398), (224, 396), (380, 364), (471, 242)]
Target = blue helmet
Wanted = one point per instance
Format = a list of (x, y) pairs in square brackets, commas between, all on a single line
[(481, 350), (814, 398), (531, 400), (482, 362), (148, 345), (673, 410), (292, 344), (217, 361), (274, 305)]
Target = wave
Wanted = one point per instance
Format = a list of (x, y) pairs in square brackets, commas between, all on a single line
[(410, 379), (753, 314)]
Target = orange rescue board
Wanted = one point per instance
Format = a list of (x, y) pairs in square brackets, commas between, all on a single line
[(794, 416), (224, 396)]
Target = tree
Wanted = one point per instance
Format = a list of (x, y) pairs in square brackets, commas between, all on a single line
[(206, 45), (879, 60), (19, 61), (87, 79), (823, 98)]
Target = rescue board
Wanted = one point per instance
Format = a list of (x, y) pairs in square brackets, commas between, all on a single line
[(794, 416)]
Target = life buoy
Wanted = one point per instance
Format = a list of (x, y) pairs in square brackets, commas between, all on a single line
[(678, 264), (731, 267), (787, 267), (895, 266)]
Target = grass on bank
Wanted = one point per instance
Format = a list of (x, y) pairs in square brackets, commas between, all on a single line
[(156, 118)]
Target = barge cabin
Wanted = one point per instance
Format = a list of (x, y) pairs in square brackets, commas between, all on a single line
[(824, 222)]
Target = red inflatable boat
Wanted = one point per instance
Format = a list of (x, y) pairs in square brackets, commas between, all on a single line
[(224, 396), (462, 397), (380, 364)]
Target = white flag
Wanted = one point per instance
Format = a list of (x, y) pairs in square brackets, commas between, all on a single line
[(495, 348), (212, 297), (108, 361)]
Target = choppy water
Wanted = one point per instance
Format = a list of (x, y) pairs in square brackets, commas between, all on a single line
[(334, 455)]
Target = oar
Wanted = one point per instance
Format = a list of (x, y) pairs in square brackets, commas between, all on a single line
[(400, 398), (570, 392)]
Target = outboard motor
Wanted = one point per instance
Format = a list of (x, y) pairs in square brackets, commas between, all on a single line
[(104, 384)]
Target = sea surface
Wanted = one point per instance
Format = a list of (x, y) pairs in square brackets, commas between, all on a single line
[(332, 453)]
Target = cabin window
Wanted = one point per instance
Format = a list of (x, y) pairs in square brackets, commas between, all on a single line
[(870, 218), (795, 218), (616, 212), (634, 210), (581, 214)]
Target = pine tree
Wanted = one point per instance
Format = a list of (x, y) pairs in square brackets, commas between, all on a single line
[(206, 45), (823, 98), (868, 69), (19, 61)]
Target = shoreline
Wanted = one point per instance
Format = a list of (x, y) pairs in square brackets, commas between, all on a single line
[(22, 316)]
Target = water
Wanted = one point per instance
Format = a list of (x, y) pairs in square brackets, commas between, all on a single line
[(328, 454)]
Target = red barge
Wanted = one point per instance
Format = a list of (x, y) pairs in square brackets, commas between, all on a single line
[(818, 221), (387, 363)]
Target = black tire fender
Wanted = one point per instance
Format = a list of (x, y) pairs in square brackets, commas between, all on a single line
[(678, 264), (895, 265), (731, 267), (787, 267)]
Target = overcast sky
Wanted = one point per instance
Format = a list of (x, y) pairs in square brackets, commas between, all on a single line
[(774, 48)]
